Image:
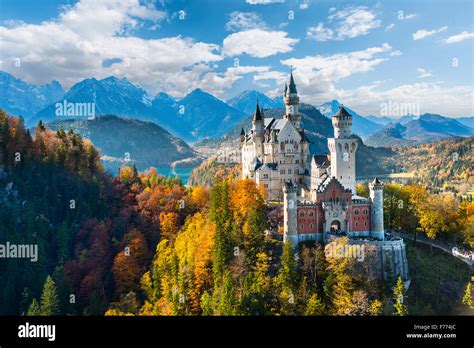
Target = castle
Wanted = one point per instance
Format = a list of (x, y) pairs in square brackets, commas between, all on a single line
[(319, 196)]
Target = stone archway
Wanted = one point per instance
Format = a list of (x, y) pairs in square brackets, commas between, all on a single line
[(335, 226)]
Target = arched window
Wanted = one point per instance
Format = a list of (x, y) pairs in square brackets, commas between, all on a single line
[(366, 211), (302, 214), (356, 211), (311, 213)]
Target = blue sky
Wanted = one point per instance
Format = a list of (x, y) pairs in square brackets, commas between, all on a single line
[(363, 53)]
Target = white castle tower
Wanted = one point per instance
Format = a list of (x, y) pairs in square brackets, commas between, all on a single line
[(376, 207), (290, 204), (343, 148)]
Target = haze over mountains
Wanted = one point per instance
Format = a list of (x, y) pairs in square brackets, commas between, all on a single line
[(200, 115), (125, 140), (246, 100), (20, 98), (426, 128)]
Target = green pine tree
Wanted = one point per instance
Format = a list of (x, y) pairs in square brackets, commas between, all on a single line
[(49, 298), (206, 304), (34, 308), (315, 306), (227, 301)]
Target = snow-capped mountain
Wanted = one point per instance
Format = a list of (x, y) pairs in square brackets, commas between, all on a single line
[(109, 96), (23, 99), (360, 125), (197, 115), (246, 100)]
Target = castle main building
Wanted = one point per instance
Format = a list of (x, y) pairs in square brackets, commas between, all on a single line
[(319, 191)]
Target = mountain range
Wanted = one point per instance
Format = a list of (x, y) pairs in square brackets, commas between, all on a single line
[(246, 101), (124, 140), (22, 99), (426, 128), (360, 125), (200, 115)]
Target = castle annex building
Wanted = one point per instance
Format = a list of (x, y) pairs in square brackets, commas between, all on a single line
[(318, 191)]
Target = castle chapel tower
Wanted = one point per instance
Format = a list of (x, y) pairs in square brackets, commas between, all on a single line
[(343, 149), (292, 102)]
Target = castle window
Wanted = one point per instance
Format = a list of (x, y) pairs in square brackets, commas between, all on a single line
[(310, 226), (265, 176), (366, 211), (356, 224), (311, 213), (302, 227), (365, 223), (302, 214), (289, 171), (356, 211), (282, 171)]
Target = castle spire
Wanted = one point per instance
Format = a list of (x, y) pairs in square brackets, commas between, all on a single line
[(292, 85), (257, 116)]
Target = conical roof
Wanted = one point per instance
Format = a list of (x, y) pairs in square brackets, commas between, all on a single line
[(342, 112), (257, 116)]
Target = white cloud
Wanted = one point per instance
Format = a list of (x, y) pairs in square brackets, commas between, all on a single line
[(320, 33), (244, 21), (263, 2), (452, 101), (317, 74), (422, 33), (258, 43), (389, 27), (305, 4), (402, 16), (423, 73), (459, 37), (350, 22), (75, 46), (278, 76)]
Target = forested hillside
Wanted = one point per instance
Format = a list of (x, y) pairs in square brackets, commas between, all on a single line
[(121, 140), (445, 162), (142, 244)]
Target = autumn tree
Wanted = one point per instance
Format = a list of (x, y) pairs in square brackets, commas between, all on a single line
[(169, 224), (338, 285), (467, 298), (399, 298)]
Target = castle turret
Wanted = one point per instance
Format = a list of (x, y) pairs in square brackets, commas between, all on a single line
[(343, 149), (290, 214), (376, 207), (242, 135), (292, 102)]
